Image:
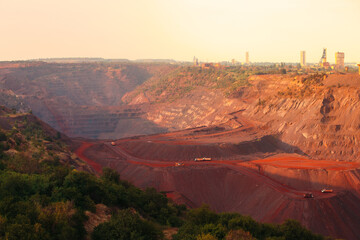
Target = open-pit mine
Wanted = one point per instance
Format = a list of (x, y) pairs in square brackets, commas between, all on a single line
[(269, 146)]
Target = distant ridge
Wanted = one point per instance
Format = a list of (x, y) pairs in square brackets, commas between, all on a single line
[(80, 60), (77, 60), (156, 60)]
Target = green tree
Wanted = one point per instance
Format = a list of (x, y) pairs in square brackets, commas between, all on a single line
[(126, 225), (292, 229), (110, 175), (202, 215), (3, 136), (84, 189)]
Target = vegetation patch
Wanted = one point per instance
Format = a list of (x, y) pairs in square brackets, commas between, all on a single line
[(305, 86), (183, 80)]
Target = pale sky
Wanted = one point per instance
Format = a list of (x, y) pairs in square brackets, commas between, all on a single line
[(271, 30)]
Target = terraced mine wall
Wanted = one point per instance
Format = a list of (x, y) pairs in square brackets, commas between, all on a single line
[(324, 124), (317, 113), (83, 99)]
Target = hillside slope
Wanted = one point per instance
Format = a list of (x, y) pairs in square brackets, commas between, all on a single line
[(46, 192), (45, 195)]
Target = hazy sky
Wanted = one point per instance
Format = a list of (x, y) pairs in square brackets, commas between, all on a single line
[(271, 30)]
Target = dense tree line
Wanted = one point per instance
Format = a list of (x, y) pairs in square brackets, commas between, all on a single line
[(41, 198), (51, 204), (202, 223)]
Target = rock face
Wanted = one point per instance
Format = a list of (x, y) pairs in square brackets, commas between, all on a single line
[(201, 107), (324, 125)]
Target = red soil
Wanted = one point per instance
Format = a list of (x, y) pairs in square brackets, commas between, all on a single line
[(349, 79), (269, 189)]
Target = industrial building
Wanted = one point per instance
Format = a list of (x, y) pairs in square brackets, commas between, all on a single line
[(339, 60), (302, 59), (196, 61), (323, 60)]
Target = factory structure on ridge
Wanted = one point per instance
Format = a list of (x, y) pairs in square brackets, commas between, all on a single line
[(302, 59), (303, 65), (247, 61), (323, 63), (339, 60), (197, 63)]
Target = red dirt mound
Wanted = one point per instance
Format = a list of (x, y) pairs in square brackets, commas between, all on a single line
[(269, 190)]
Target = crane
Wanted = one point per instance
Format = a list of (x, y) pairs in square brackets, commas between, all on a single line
[(323, 58)]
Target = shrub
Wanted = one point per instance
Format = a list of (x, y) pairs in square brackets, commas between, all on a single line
[(126, 225)]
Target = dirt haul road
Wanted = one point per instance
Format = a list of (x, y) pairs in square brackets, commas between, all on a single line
[(80, 153), (232, 164)]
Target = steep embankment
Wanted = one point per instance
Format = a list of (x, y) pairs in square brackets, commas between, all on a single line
[(27, 144), (304, 174)]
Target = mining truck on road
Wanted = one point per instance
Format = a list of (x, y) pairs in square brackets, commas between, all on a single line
[(326, 190), (202, 159), (308, 195)]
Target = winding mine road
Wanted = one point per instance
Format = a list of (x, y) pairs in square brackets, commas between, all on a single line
[(232, 164), (80, 153)]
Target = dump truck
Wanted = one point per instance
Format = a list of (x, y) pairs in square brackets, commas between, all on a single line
[(326, 190), (308, 195), (202, 159), (179, 164)]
